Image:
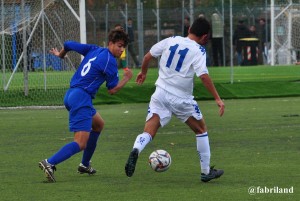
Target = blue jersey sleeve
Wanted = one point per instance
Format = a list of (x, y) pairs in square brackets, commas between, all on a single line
[(82, 49), (112, 76)]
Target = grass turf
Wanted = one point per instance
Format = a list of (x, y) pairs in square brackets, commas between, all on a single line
[(248, 82), (256, 142)]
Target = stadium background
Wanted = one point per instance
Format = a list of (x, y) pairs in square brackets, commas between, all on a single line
[(46, 78)]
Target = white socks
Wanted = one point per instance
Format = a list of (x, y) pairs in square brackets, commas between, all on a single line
[(141, 141), (203, 150)]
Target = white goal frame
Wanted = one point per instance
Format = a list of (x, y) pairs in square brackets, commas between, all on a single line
[(40, 17), (288, 11)]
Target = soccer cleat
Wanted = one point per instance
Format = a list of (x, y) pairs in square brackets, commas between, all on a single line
[(131, 162), (48, 170), (83, 169), (213, 174)]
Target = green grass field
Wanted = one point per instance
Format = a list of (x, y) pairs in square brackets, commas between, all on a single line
[(256, 142), (248, 82)]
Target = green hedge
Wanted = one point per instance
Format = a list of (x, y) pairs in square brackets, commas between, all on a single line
[(248, 82)]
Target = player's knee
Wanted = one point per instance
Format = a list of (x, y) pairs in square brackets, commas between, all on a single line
[(98, 125), (82, 145)]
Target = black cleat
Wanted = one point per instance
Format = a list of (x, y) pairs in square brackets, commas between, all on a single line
[(131, 162), (213, 174), (48, 170), (83, 169)]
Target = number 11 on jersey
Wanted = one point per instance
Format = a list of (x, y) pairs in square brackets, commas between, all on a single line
[(182, 54)]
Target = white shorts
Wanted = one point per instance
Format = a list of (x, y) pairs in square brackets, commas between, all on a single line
[(165, 104)]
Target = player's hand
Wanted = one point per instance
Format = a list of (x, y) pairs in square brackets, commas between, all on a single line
[(140, 78), (54, 51), (127, 74), (61, 54), (221, 105)]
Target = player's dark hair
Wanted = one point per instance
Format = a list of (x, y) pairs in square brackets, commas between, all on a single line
[(200, 27), (119, 25), (118, 35)]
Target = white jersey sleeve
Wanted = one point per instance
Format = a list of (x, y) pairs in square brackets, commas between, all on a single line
[(181, 59), (158, 48)]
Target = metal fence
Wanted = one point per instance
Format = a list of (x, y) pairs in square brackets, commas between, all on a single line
[(153, 24), (30, 75)]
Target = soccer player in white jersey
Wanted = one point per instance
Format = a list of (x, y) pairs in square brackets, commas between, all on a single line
[(98, 66), (181, 59)]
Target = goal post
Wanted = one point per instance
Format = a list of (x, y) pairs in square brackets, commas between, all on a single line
[(82, 21), (29, 29), (285, 35)]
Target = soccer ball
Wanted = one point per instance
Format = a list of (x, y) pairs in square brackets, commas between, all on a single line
[(160, 160)]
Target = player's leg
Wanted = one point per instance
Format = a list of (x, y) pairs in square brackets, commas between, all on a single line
[(158, 116), (97, 127), (187, 111), (68, 150), (78, 103), (150, 129), (203, 148)]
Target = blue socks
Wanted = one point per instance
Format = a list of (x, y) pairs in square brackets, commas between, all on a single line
[(90, 148), (64, 153), (73, 148)]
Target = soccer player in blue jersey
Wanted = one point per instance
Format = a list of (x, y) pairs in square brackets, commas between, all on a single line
[(123, 62), (181, 59), (98, 66)]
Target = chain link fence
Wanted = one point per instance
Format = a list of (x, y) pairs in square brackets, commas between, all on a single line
[(30, 75), (158, 23)]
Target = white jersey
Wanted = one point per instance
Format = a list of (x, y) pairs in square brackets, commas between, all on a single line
[(181, 59)]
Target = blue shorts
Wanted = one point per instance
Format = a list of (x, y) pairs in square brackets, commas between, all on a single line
[(81, 111)]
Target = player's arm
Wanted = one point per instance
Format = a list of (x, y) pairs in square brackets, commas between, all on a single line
[(82, 49), (126, 77), (142, 75), (209, 85), (61, 54), (155, 51)]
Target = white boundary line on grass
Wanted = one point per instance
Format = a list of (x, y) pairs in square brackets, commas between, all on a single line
[(32, 107)]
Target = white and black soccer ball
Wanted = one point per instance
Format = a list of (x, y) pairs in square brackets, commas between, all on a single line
[(160, 160)]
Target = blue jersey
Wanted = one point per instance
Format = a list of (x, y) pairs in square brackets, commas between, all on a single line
[(98, 66)]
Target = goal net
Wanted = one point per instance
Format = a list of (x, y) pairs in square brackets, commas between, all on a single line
[(286, 32), (29, 29)]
